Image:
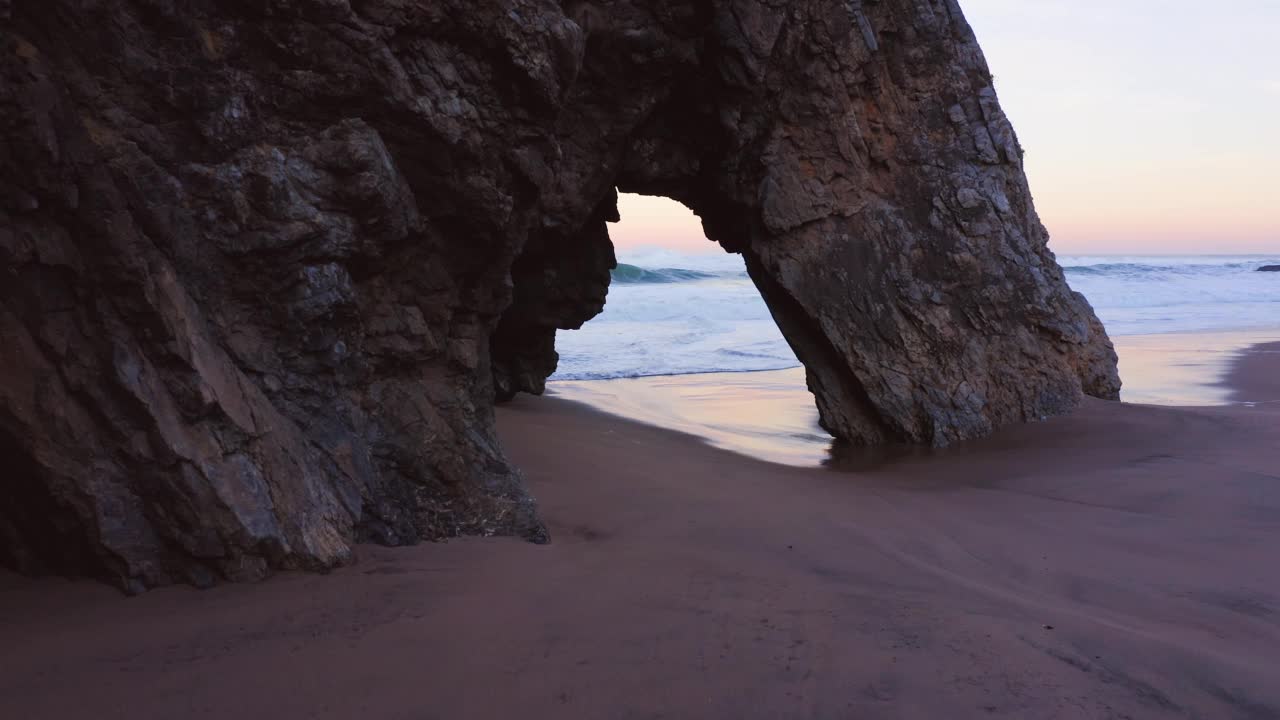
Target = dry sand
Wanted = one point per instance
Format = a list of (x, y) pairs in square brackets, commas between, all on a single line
[(1118, 563)]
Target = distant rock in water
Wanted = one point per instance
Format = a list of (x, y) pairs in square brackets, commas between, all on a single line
[(267, 266), (1269, 268)]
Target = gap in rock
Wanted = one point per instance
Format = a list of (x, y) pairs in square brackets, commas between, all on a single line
[(687, 343)]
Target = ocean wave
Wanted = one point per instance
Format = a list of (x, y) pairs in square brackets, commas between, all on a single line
[(671, 314), (635, 274), (1118, 267), (696, 370), (1143, 269)]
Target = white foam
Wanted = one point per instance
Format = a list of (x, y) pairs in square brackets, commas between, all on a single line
[(720, 324)]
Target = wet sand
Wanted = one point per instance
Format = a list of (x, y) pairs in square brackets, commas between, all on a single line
[(1254, 377), (770, 415), (1186, 369), (1117, 563)]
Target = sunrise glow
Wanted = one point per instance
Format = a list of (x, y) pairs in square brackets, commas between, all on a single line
[(1149, 127)]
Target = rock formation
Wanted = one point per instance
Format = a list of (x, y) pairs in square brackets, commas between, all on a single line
[(1269, 268), (267, 265)]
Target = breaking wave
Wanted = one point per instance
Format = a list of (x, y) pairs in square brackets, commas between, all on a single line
[(671, 313), (636, 274)]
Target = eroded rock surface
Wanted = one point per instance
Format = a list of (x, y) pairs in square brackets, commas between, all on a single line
[(267, 265)]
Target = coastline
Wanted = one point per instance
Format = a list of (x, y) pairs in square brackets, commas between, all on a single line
[(1254, 378), (1108, 563), (770, 414), (1187, 369)]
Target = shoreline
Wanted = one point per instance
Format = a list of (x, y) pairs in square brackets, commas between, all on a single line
[(770, 414), (1101, 564), (1260, 331), (1191, 369), (1254, 378)]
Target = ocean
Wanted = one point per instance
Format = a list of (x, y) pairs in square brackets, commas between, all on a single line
[(685, 342), (672, 313)]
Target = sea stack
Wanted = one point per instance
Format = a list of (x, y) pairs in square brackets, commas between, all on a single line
[(267, 265)]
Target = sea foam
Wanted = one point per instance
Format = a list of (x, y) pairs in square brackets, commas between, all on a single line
[(672, 313)]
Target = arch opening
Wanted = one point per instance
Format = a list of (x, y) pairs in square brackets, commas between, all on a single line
[(677, 304), (686, 342)]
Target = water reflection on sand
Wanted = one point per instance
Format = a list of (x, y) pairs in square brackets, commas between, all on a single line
[(770, 415)]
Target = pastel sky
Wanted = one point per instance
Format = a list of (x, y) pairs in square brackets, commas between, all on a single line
[(1151, 126)]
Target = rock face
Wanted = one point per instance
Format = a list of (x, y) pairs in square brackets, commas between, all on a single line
[(267, 265)]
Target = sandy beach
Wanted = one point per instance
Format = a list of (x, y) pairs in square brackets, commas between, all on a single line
[(1116, 563), (639, 360)]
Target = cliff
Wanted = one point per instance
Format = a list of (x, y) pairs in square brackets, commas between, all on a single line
[(267, 265)]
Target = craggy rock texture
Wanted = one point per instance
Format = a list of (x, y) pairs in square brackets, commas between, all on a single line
[(267, 265), (856, 155)]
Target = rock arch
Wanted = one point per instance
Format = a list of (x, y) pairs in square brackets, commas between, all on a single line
[(267, 267), (876, 191)]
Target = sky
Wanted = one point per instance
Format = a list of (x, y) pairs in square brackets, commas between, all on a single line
[(1150, 126)]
